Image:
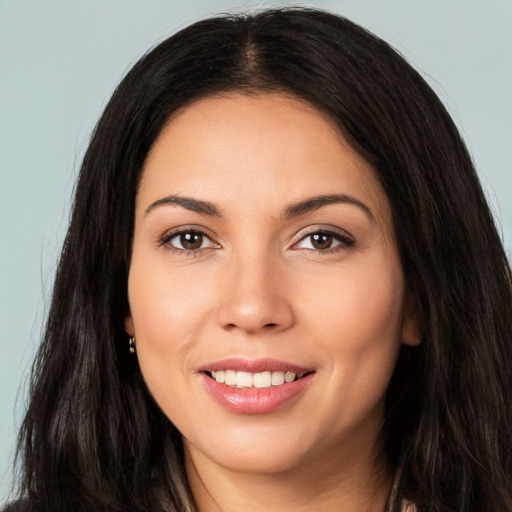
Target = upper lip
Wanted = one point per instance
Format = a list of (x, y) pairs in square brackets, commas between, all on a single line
[(254, 366)]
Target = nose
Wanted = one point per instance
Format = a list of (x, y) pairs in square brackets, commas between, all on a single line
[(253, 297)]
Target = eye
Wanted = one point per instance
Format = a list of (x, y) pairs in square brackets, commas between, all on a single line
[(324, 240), (189, 240)]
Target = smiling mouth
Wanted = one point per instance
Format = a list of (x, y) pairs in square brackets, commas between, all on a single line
[(260, 380)]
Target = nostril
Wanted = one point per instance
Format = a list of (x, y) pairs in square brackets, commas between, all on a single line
[(270, 325)]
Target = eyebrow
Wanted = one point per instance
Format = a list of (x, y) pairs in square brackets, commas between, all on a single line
[(195, 205), (291, 211), (314, 203)]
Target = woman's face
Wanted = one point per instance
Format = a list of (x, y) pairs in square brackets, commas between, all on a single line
[(264, 252)]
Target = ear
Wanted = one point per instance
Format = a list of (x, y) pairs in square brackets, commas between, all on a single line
[(128, 325), (411, 331)]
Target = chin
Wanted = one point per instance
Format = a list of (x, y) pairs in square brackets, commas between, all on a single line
[(251, 454)]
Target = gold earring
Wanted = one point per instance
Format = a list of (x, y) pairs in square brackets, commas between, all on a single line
[(132, 344)]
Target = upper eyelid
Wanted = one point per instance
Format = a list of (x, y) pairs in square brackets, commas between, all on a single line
[(344, 237), (187, 228), (322, 229), (169, 234)]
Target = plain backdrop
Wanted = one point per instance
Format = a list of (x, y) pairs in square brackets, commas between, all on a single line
[(61, 59)]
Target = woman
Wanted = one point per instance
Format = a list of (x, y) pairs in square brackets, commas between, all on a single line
[(281, 289)]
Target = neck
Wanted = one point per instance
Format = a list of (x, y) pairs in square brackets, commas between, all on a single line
[(349, 483)]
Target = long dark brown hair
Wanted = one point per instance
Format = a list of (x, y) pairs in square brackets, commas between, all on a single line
[(93, 438)]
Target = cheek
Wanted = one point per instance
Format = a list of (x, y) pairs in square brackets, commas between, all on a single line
[(162, 311), (357, 324), (171, 309), (165, 305), (363, 302)]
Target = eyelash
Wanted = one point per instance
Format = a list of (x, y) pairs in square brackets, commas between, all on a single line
[(179, 232), (344, 239)]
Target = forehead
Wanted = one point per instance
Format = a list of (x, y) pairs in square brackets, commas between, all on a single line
[(267, 147)]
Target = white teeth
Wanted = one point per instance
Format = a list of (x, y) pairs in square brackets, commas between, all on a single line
[(262, 380), (243, 380), (289, 377), (254, 380), (230, 377), (277, 378)]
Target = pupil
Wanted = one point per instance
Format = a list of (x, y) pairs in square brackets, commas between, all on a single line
[(321, 241), (191, 241)]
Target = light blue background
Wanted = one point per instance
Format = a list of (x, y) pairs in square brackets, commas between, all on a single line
[(61, 59)]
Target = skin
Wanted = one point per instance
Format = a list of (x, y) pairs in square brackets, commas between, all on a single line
[(257, 288)]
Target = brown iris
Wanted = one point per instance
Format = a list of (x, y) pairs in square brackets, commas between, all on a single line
[(191, 241), (321, 240)]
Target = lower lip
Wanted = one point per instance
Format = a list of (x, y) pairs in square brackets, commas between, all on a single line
[(255, 400)]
